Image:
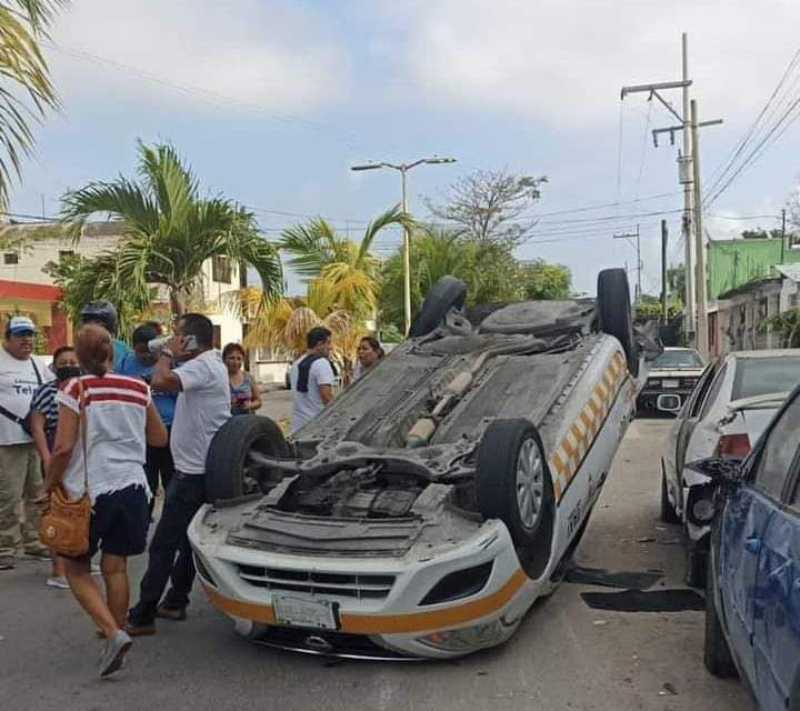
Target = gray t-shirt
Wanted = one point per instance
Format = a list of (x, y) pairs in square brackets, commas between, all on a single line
[(203, 406), (308, 405)]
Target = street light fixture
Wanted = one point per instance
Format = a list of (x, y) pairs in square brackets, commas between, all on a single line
[(403, 168)]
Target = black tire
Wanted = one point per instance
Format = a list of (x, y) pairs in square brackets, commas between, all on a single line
[(445, 294), (668, 514), (696, 567), (716, 653), (614, 313), (227, 476), (497, 489)]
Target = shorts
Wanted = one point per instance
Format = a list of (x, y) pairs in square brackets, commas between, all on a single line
[(119, 522)]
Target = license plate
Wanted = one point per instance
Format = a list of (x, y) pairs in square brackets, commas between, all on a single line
[(670, 384), (298, 612)]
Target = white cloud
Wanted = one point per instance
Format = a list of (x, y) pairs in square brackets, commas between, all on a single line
[(564, 62), (270, 53)]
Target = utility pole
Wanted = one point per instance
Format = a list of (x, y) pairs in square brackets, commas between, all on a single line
[(403, 168), (685, 171), (783, 233), (687, 192), (700, 278), (629, 236), (664, 237)]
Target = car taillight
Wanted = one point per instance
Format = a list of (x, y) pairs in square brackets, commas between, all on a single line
[(733, 445)]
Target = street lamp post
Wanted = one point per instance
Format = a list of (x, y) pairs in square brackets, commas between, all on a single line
[(403, 168)]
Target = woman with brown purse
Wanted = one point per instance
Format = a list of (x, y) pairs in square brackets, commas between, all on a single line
[(105, 422)]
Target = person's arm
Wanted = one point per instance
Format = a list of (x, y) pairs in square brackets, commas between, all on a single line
[(326, 393), (155, 431), (324, 378), (38, 421), (164, 378), (255, 399), (66, 439)]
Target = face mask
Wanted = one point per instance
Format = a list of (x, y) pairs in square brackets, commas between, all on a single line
[(67, 371)]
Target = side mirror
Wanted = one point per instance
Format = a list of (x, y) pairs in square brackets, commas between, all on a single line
[(669, 402), (718, 470)]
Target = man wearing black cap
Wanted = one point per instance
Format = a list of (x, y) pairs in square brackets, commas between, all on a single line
[(21, 373)]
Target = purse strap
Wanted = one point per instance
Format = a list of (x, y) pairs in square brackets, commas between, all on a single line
[(82, 420)]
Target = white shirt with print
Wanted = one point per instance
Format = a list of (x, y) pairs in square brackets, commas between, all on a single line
[(18, 383)]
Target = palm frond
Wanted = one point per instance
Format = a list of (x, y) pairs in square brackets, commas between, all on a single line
[(393, 216), (24, 69)]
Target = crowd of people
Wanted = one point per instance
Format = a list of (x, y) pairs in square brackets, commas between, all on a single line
[(118, 422)]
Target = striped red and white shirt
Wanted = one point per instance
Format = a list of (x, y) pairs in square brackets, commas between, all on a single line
[(115, 410)]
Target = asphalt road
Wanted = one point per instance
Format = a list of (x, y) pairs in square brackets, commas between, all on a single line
[(565, 655)]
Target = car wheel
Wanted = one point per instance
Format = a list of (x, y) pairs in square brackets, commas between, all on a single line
[(696, 565), (668, 514), (445, 294), (614, 313), (716, 653), (231, 471), (513, 484)]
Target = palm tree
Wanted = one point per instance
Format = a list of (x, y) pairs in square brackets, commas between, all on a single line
[(282, 324), (23, 23), (350, 269), (169, 231)]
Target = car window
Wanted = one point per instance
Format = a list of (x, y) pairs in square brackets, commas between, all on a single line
[(713, 392), (678, 359), (779, 451), (761, 376)]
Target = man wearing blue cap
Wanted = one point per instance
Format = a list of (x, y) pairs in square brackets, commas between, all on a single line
[(21, 373)]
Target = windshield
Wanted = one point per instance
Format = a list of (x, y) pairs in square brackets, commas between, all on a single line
[(761, 376), (678, 359)]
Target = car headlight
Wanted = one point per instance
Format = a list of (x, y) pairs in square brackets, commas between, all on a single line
[(700, 507), (465, 639), (459, 584)]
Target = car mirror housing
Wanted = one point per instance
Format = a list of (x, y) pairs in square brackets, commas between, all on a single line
[(719, 470), (668, 402)]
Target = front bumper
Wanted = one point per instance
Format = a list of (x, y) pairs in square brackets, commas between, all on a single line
[(394, 625)]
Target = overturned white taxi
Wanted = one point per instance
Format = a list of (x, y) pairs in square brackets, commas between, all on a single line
[(437, 498)]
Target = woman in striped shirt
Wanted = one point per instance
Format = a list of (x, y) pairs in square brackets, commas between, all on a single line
[(105, 422), (43, 421)]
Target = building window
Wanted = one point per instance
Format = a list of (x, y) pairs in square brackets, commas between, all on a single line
[(65, 254), (221, 269), (11, 258)]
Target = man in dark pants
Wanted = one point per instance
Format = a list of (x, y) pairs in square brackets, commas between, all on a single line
[(203, 406)]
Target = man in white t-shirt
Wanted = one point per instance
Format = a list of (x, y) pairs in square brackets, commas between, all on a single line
[(203, 406), (21, 373), (312, 378)]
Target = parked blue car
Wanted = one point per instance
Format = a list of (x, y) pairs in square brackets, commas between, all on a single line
[(753, 583)]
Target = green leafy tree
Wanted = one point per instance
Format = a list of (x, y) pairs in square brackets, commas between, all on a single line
[(23, 24), (489, 271), (168, 230), (543, 281), (787, 326)]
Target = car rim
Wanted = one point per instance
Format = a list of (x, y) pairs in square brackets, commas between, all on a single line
[(530, 483)]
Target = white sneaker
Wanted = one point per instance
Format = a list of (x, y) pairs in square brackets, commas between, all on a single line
[(59, 582), (94, 569)]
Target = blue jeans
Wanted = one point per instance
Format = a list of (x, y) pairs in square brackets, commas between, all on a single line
[(170, 555)]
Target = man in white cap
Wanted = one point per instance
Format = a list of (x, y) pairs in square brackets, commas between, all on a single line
[(21, 373)]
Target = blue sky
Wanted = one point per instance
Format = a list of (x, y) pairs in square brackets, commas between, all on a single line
[(271, 101)]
